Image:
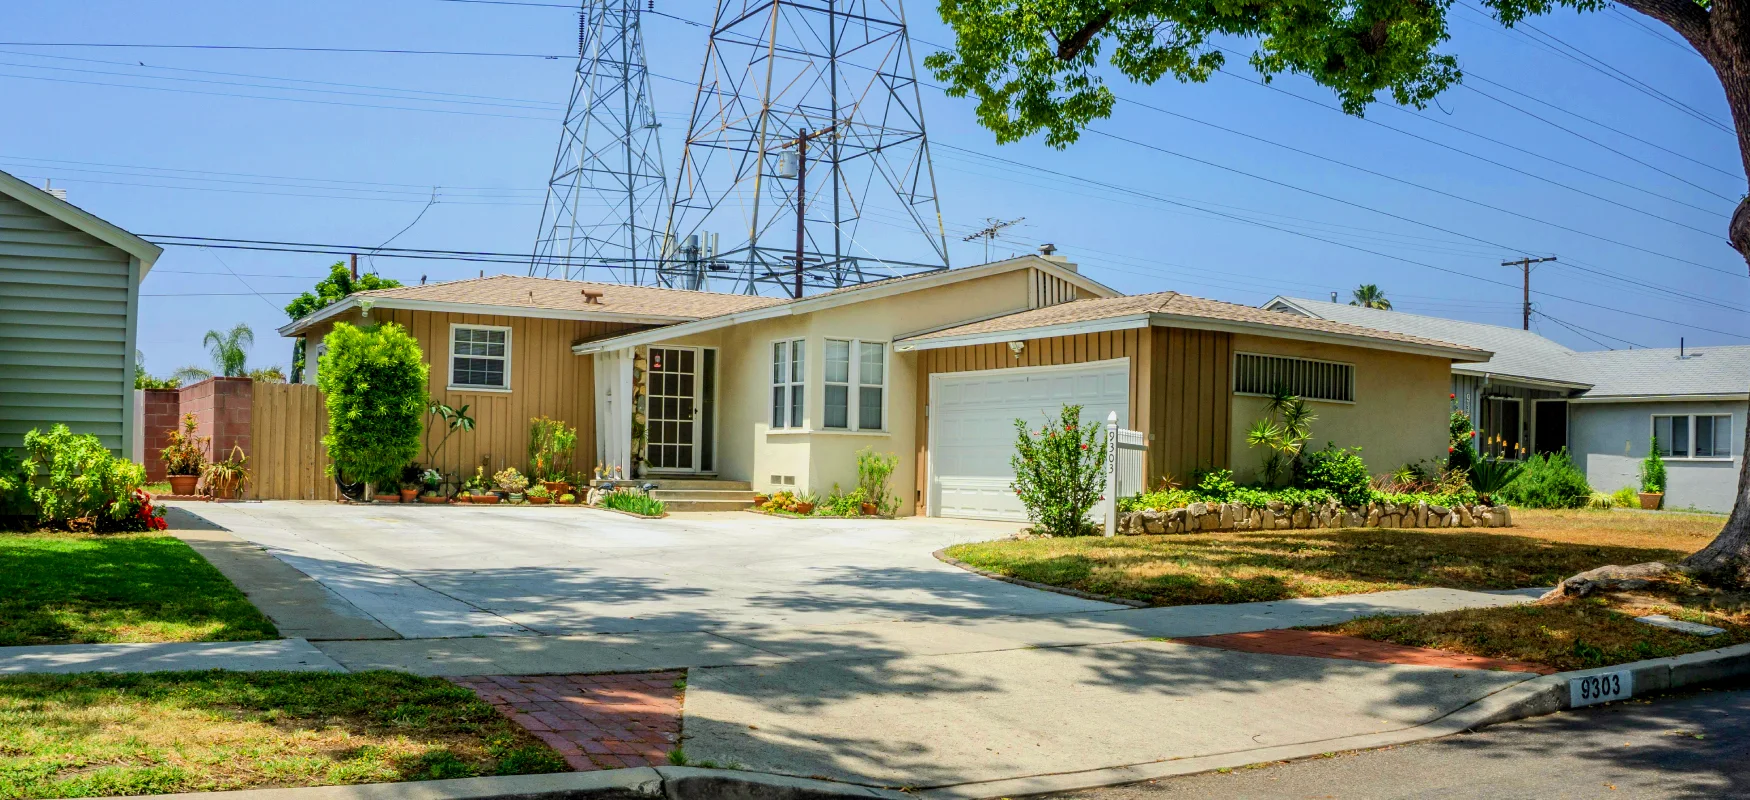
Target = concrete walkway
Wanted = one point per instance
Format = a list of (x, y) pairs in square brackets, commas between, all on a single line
[(294, 655)]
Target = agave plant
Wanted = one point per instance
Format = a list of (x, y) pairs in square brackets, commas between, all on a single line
[(1283, 433), (1488, 476)]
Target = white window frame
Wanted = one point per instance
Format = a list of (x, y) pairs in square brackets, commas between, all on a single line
[(1653, 425), (450, 361), (1234, 369), (790, 382), (1520, 437), (854, 385)]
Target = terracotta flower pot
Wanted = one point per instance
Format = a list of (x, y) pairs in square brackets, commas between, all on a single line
[(803, 508), (556, 488), (1651, 501), (409, 495), (868, 509), (539, 501), (183, 484), (436, 498), (488, 499), (386, 498)]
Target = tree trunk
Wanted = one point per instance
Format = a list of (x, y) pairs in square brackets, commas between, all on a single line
[(1721, 34)]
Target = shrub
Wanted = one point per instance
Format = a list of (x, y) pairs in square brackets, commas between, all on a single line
[(551, 448), (1158, 500), (1337, 470), (567, 498), (186, 453), (1216, 486), (843, 504), (789, 502), (1653, 468), (15, 503), (634, 501), (84, 486), (374, 380), (1626, 497), (1283, 431), (1548, 481), (1461, 448), (1059, 474), (873, 470)]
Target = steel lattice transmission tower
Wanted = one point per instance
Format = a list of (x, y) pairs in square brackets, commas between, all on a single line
[(819, 96), (607, 197)]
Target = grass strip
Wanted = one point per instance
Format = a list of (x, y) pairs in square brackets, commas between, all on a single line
[(97, 735), (58, 588)]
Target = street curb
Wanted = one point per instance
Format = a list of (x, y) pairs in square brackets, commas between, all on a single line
[(1534, 697), (942, 556), (638, 783)]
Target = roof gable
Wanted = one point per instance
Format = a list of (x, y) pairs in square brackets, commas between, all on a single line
[(77, 217)]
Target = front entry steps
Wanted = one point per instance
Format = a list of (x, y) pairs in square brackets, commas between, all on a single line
[(696, 494)]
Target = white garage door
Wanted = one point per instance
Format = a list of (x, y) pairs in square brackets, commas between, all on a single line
[(972, 427)]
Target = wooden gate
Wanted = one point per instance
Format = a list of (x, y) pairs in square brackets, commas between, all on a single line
[(288, 421)]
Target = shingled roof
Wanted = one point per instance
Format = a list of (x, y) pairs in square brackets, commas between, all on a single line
[(1174, 304)]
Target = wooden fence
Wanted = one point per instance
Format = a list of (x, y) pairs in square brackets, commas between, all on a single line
[(289, 461)]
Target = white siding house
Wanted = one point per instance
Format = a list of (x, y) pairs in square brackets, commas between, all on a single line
[(69, 307)]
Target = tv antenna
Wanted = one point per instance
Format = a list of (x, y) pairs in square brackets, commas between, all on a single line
[(992, 227)]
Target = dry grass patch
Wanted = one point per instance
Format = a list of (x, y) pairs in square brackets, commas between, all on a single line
[(1572, 634), (99, 735), (1544, 547)]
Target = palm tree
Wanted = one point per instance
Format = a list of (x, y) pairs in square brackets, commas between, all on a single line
[(1368, 295), (231, 350)]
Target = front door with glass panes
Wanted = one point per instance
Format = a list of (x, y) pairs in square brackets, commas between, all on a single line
[(680, 404)]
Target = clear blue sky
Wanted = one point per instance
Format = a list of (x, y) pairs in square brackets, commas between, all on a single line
[(298, 147)]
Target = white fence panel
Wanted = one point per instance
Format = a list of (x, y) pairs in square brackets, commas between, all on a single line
[(1125, 450)]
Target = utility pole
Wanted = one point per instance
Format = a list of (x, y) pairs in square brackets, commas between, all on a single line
[(801, 143), (1524, 265), (355, 266), (989, 232)]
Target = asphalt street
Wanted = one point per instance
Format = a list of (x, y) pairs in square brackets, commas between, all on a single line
[(1693, 745)]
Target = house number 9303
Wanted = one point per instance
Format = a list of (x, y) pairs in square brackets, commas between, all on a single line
[(1601, 688)]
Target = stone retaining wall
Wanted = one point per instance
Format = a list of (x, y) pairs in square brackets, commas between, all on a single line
[(1201, 517)]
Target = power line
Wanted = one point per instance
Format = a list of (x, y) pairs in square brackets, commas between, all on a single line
[(1578, 330), (288, 49)]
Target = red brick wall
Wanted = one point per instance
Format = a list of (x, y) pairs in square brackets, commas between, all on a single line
[(161, 416), (222, 409)]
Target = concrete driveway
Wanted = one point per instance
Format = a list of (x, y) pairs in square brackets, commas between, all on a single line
[(426, 572)]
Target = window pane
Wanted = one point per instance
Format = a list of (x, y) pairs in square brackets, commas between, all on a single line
[(796, 361), (778, 362), (1722, 438), (477, 372), (869, 408), (1680, 436), (778, 405), (1704, 437), (838, 413), (796, 405), (869, 372), (838, 361)]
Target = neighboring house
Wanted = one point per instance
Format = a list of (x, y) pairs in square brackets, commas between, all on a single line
[(69, 309), (1604, 406), (934, 368)]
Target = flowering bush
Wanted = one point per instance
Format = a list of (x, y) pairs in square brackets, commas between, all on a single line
[(82, 485), (1461, 450), (1059, 472)]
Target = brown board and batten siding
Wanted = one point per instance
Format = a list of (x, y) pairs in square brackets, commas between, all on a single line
[(1181, 377), (546, 379)]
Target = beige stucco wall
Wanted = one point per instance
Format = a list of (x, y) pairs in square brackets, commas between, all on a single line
[(747, 448), (1399, 414)]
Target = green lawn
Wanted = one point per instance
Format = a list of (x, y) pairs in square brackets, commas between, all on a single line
[(1542, 549), (98, 735), (58, 588)]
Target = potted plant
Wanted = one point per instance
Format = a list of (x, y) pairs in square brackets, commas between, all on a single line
[(412, 480), (551, 445), (1652, 477), (431, 482), (511, 483), (184, 455), (538, 495), (567, 499), (226, 479)]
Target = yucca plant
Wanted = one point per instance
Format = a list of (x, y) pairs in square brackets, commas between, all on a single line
[(1488, 476), (1283, 434)]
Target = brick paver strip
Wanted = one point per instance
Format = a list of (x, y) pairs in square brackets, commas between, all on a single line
[(594, 721), (1321, 644)]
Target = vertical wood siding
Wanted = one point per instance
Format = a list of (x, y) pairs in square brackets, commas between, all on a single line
[(63, 329), (287, 424), (1049, 290), (546, 379), (1181, 393), (1192, 408)]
